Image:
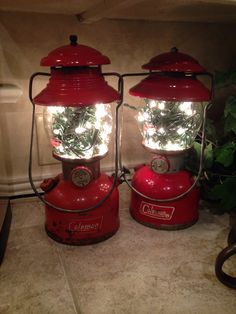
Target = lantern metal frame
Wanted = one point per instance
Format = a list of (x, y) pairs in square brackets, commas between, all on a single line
[(116, 143)]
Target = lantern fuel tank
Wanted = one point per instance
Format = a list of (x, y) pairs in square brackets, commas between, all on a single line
[(81, 186), (175, 214)]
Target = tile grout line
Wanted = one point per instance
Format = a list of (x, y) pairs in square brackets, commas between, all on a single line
[(63, 264)]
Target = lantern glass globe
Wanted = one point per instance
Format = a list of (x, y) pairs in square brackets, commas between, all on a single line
[(79, 132), (169, 125)]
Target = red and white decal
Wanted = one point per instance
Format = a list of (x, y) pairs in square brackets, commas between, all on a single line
[(156, 211), (86, 225)]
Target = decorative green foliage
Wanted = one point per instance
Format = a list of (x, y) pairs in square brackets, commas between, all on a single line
[(210, 129), (225, 79), (169, 126), (230, 107), (65, 125), (225, 154), (219, 183), (230, 115), (225, 193), (79, 132), (192, 162)]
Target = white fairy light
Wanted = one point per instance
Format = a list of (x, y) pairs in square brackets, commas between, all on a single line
[(151, 131), (185, 106), (161, 130), (152, 104), (56, 131), (101, 111), (151, 143), (88, 125), (140, 117), (61, 149), (80, 130), (97, 124), (88, 154), (181, 131), (102, 149), (146, 116), (161, 105), (107, 128), (56, 109), (172, 146)]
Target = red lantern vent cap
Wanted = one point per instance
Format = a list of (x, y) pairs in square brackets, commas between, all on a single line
[(74, 55), (170, 88), (174, 61)]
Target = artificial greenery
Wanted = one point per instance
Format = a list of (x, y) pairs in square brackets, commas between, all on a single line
[(80, 132), (219, 180), (64, 126), (166, 125)]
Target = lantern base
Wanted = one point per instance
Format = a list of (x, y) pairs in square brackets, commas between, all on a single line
[(87, 227), (169, 215)]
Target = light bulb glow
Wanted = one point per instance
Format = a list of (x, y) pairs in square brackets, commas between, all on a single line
[(152, 104), (161, 105), (161, 130), (140, 117), (80, 130), (102, 149), (56, 131), (56, 109), (181, 131)]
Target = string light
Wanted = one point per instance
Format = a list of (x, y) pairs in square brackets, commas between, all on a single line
[(170, 126), (82, 132)]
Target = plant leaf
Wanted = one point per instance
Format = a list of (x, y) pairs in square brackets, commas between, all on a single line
[(224, 79), (230, 106), (221, 79), (233, 77), (208, 156), (230, 124), (225, 193), (210, 128), (225, 154)]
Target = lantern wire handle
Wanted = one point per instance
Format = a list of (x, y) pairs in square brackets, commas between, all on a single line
[(125, 170), (115, 177)]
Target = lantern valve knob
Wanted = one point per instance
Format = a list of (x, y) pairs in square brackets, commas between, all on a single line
[(73, 40), (174, 49)]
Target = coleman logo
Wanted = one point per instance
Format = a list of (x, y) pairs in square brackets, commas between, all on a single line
[(156, 211), (89, 225)]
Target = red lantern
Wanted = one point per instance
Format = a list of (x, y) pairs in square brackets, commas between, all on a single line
[(81, 203), (165, 196)]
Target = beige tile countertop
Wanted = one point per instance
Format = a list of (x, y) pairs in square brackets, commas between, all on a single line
[(138, 271)]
